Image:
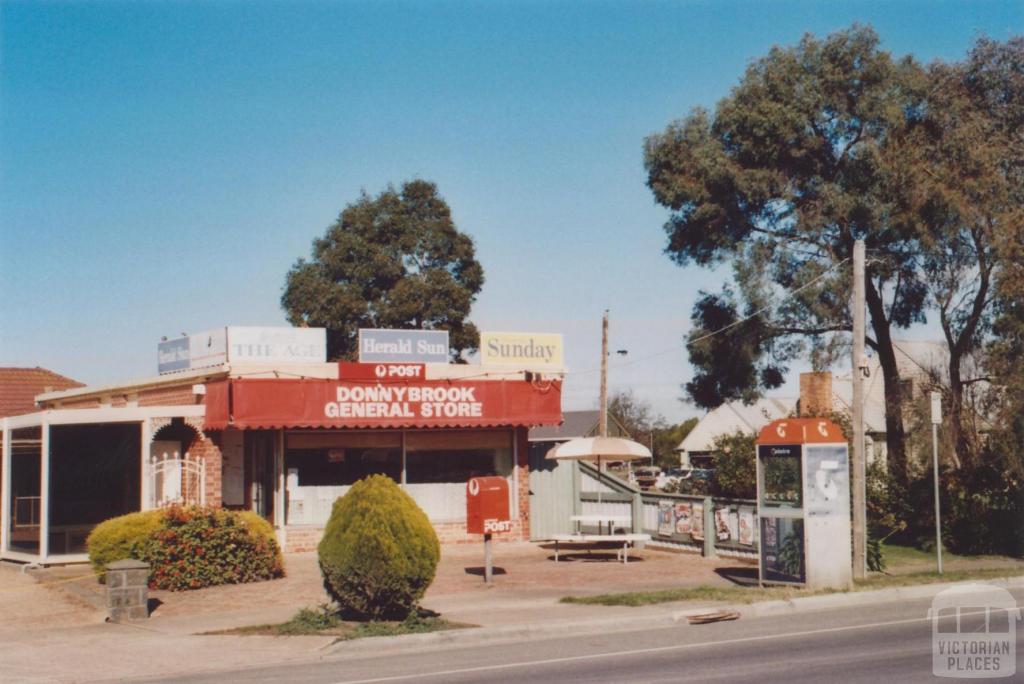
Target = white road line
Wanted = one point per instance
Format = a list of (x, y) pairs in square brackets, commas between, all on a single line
[(640, 651)]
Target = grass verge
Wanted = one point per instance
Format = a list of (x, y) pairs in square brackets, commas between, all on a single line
[(745, 595), (320, 622)]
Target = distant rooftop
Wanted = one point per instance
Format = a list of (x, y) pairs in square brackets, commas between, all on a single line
[(20, 386), (576, 424)]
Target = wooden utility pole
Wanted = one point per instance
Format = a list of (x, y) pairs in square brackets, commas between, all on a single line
[(858, 466), (602, 423)]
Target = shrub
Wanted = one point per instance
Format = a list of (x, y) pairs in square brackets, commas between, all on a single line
[(115, 539), (379, 552), (735, 466), (200, 546)]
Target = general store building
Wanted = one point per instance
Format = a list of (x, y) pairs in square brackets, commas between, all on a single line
[(275, 430)]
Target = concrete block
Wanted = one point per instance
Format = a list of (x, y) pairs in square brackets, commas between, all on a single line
[(128, 590)]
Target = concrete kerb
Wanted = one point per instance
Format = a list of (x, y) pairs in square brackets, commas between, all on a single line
[(851, 598), (412, 643)]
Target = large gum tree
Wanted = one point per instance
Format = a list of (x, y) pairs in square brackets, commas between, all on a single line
[(794, 165)]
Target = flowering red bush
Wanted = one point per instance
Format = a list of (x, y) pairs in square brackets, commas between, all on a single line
[(200, 546)]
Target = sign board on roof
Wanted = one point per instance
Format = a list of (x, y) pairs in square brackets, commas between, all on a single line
[(277, 345), (525, 350), (208, 348), (403, 346), (242, 344), (172, 355)]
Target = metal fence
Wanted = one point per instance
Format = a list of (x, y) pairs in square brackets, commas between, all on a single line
[(710, 525)]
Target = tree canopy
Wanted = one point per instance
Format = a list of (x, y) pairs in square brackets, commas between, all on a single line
[(819, 145), (396, 260)]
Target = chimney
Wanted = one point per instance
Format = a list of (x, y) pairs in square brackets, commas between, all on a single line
[(815, 393)]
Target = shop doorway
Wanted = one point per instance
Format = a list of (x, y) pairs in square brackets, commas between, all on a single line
[(259, 472)]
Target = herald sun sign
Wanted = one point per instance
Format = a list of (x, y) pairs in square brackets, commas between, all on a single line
[(487, 506)]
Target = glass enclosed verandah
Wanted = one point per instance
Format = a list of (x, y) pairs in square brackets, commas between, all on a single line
[(65, 471)]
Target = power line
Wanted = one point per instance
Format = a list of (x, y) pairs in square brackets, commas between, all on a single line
[(722, 329)]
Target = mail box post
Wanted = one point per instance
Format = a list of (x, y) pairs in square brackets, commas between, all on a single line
[(487, 512)]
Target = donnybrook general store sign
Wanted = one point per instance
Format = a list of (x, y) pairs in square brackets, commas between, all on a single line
[(395, 403)]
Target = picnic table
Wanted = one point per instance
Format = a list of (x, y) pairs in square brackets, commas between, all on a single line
[(620, 541)]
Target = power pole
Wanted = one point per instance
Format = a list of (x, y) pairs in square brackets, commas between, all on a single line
[(858, 466), (602, 424)]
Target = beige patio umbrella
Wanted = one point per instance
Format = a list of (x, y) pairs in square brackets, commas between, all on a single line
[(599, 448)]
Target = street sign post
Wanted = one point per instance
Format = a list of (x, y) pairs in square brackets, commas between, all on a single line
[(936, 398)]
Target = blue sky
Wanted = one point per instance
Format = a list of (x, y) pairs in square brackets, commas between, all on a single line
[(163, 164)]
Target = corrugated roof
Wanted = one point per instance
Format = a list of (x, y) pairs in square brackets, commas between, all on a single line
[(20, 386), (736, 416), (575, 424)]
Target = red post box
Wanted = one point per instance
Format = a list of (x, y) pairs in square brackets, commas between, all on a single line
[(487, 509)]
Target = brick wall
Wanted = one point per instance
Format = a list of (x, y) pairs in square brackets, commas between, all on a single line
[(209, 450), (80, 404), (180, 395), (522, 476)]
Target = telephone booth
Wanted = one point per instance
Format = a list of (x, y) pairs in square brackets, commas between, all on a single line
[(803, 496)]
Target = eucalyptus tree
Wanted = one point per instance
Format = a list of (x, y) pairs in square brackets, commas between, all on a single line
[(793, 166)]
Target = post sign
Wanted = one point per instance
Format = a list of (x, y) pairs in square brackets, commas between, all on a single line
[(525, 350), (381, 372), (403, 346), (487, 509)]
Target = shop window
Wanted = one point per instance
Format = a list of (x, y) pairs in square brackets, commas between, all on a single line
[(332, 459), (454, 457)]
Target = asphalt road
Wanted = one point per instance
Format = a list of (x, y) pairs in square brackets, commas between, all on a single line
[(873, 643)]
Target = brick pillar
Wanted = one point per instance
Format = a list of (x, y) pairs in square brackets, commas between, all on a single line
[(815, 394), (207, 449), (128, 590), (523, 481)]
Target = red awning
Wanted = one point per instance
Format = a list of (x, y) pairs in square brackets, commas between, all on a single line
[(310, 403)]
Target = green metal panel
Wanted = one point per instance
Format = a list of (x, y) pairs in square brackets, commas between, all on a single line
[(552, 494)]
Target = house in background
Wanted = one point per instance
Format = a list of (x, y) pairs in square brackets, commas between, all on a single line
[(20, 386), (18, 390), (918, 363), (734, 416)]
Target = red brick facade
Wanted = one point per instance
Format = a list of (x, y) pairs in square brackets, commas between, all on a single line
[(180, 395), (207, 449)]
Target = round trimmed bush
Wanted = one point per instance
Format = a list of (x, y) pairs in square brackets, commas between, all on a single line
[(114, 539), (201, 546), (379, 551)]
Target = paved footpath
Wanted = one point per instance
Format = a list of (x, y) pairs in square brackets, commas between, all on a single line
[(58, 633)]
